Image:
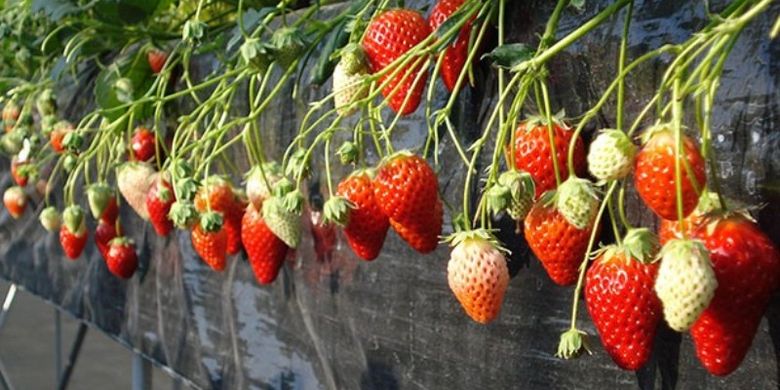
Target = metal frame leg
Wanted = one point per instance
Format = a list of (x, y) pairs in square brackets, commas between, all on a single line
[(72, 357), (142, 373)]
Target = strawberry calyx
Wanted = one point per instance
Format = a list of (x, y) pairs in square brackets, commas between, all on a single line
[(641, 244), (183, 214), (532, 121), (520, 184), (353, 59), (498, 198), (336, 210), (293, 201), (283, 187), (348, 153), (211, 221), (572, 343), (475, 235), (120, 241), (73, 217)]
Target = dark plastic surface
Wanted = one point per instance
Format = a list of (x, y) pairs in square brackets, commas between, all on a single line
[(332, 321)]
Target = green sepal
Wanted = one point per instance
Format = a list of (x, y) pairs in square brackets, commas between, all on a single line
[(73, 217), (183, 214), (293, 201), (641, 244), (336, 210), (573, 342), (211, 221)]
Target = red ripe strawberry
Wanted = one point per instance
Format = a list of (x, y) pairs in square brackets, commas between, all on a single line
[(210, 240), (143, 144), (104, 233), (15, 201), (367, 224), (556, 243), (57, 136), (265, 251), (456, 54), (158, 202), (156, 60), (654, 173), (20, 178), (620, 299), (533, 154), (218, 194), (747, 267), (120, 258), (388, 37), (407, 191), (111, 212), (73, 242)]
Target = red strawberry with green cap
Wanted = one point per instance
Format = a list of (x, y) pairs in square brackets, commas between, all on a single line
[(558, 244), (210, 240), (19, 171), (15, 201), (120, 258), (621, 301), (747, 267), (388, 37), (158, 202), (111, 212), (265, 251), (654, 173), (156, 59), (455, 54), (217, 195), (57, 136), (533, 153), (407, 191), (73, 233), (477, 274), (104, 233), (365, 224), (143, 144)]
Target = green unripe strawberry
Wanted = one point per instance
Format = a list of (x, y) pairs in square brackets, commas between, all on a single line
[(611, 155), (577, 201), (686, 282), (98, 196), (284, 224), (50, 219), (522, 191), (288, 44)]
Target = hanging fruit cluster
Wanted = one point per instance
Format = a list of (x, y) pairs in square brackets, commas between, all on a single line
[(162, 139)]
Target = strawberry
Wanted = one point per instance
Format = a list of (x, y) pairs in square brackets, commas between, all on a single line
[(111, 211), (156, 59), (654, 173), (577, 201), (143, 144), (217, 195), (747, 267), (366, 225), (50, 219), (210, 240), (533, 155), (559, 245), (10, 115), (388, 37), (104, 233), (611, 155), (19, 171), (265, 251), (134, 180), (685, 282), (477, 274), (73, 233), (625, 310), (57, 136), (348, 79), (98, 197), (406, 189), (283, 223), (455, 55), (258, 181), (120, 258), (158, 202), (522, 192), (15, 201), (708, 202)]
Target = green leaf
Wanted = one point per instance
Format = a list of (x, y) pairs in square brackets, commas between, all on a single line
[(125, 11), (134, 69), (510, 55)]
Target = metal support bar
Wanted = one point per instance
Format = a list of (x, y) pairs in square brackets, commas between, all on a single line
[(4, 381), (142, 373), (72, 357), (9, 299)]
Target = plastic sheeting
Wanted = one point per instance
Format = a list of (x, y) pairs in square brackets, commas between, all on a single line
[(332, 321)]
